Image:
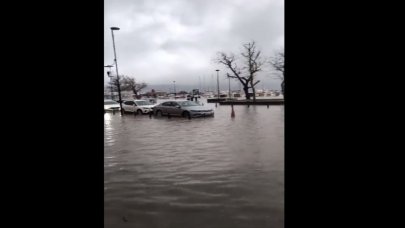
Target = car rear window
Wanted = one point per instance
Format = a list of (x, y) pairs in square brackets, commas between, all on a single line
[(143, 103)]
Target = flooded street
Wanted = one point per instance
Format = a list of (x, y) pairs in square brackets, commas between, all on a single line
[(203, 172)]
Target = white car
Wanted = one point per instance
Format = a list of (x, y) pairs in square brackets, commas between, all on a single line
[(110, 105), (139, 106)]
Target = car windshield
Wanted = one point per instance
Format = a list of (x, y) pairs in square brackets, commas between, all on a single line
[(142, 103), (187, 103), (110, 102)]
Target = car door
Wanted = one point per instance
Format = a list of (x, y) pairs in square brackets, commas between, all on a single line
[(135, 107), (125, 106), (169, 108), (129, 106), (165, 107), (176, 110)]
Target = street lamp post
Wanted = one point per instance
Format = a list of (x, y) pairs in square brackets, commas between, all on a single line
[(174, 84), (217, 87), (111, 82), (116, 68)]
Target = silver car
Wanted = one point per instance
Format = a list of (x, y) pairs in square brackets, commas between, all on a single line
[(182, 108)]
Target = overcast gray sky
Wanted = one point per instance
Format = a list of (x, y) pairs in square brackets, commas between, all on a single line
[(161, 41)]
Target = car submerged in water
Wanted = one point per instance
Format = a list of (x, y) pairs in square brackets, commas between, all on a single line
[(138, 106), (111, 105), (186, 109)]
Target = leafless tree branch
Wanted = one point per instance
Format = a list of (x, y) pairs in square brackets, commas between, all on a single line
[(253, 64), (277, 63)]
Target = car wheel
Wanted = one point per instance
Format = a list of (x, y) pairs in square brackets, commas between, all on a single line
[(186, 114), (139, 112)]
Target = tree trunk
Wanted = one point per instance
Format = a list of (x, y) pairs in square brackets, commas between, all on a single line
[(254, 91), (246, 90), (282, 87)]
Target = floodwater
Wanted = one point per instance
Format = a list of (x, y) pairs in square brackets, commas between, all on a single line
[(205, 172)]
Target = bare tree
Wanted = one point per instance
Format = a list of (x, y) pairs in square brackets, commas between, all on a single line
[(246, 74), (229, 61), (128, 83), (277, 63), (113, 84)]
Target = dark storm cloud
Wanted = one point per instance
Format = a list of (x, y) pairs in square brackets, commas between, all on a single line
[(165, 40)]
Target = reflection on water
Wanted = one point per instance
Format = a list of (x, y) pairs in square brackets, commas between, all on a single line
[(205, 172)]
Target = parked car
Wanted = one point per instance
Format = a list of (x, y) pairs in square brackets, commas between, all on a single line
[(139, 106), (182, 108), (110, 105)]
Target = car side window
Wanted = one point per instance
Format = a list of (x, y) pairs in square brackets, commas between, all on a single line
[(166, 104), (129, 102)]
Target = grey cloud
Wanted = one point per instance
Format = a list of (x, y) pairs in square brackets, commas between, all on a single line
[(164, 40)]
